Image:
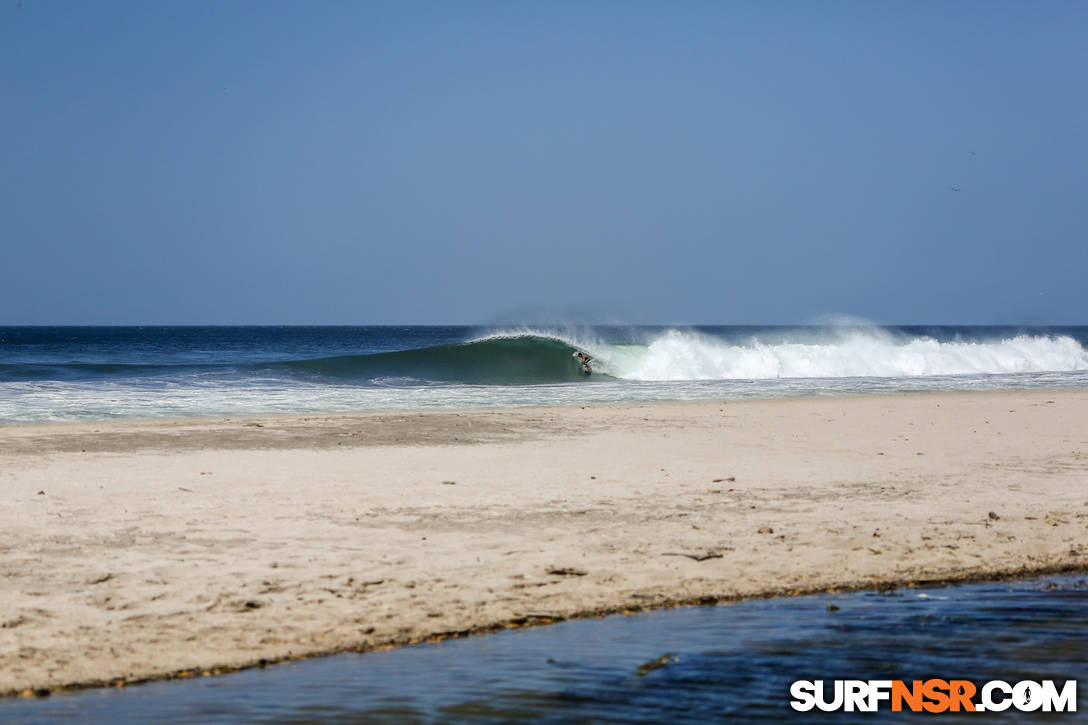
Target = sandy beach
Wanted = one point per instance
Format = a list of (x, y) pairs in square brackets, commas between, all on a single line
[(144, 549)]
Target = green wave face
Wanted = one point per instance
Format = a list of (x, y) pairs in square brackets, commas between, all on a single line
[(523, 360)]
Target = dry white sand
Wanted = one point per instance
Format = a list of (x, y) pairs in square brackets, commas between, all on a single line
[(136, 550)]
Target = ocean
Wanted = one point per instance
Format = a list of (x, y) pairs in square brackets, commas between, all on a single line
[(95, 373)]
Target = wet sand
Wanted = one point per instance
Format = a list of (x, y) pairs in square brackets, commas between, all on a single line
[(136, 549)]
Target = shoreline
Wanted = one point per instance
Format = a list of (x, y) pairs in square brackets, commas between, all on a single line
[(161, 549), (14, 432), (545, 621), (720, 397)]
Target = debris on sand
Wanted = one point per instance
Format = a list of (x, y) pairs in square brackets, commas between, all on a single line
[(694, 557)]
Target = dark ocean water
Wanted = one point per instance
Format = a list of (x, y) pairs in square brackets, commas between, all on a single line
[(726, 663), (76, 373)]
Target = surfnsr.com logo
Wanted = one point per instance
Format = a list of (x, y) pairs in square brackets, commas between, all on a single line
[(933, 696)]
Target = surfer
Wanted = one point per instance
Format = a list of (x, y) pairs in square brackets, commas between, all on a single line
[(584, 360)]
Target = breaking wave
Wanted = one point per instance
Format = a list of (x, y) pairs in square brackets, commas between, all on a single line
[(539, 357), (496, 360)]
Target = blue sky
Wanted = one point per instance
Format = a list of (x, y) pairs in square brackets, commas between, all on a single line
[(473, 162)]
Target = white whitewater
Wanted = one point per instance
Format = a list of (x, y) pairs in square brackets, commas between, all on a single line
[(677, 355)]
